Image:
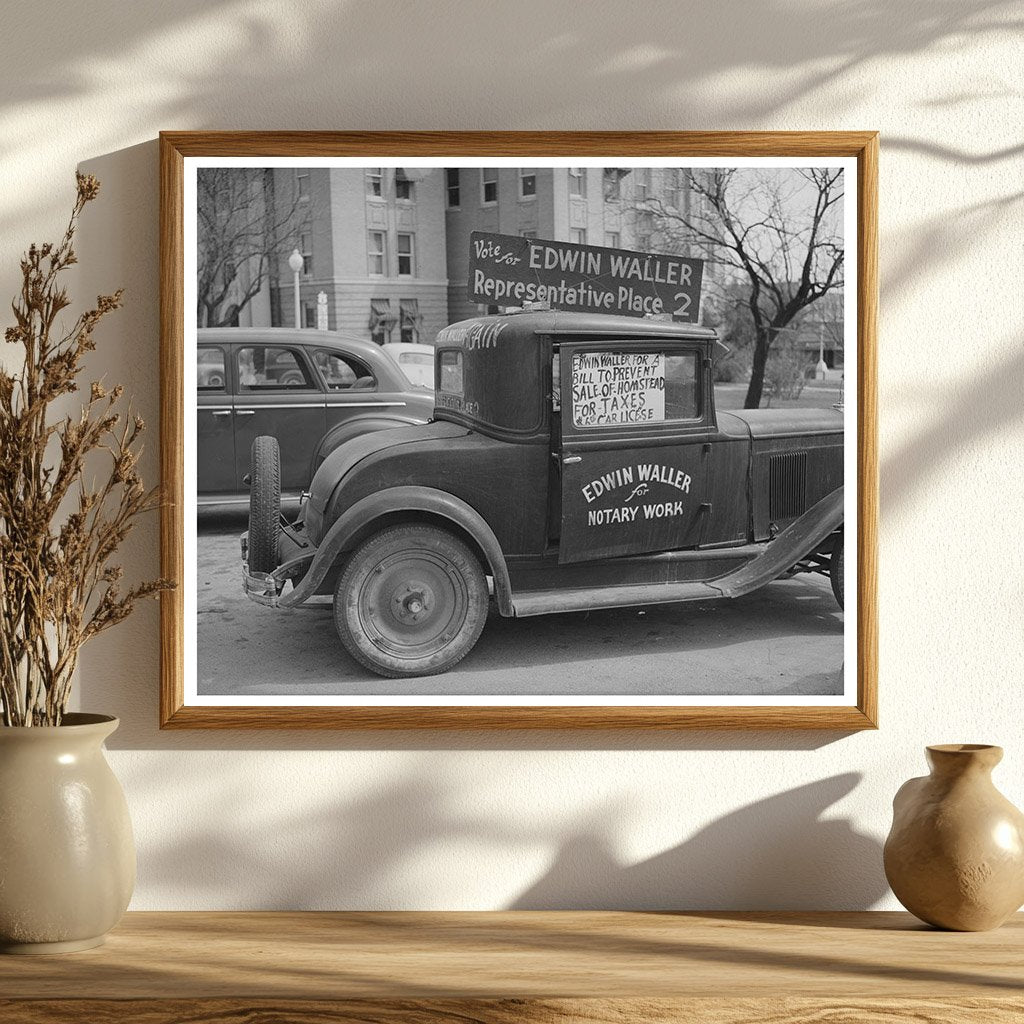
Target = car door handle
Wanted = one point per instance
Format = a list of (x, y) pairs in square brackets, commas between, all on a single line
[(245, 412), (571, 460)]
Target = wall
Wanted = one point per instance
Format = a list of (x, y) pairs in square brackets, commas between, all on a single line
[(541, 820)]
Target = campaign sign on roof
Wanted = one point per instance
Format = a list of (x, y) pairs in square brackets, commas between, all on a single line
[(505, 270)]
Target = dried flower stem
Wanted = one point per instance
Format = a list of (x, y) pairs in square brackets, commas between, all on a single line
[(58, 587)]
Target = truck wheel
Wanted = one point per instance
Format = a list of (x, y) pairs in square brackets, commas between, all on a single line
[(411, 601), (264, 504), (835, 570)]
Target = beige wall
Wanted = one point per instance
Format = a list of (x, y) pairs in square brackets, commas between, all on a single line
[(629, 819)]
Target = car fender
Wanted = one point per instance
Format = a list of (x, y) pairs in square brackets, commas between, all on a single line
[(356, 427), (429, 500)]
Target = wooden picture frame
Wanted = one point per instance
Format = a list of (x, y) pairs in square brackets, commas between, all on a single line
[(675, 149)]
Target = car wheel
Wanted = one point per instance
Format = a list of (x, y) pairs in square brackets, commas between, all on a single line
[(835, 568), (264, 504), (412, 601)]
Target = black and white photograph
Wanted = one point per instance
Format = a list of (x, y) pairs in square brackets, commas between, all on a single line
[(514, 435)]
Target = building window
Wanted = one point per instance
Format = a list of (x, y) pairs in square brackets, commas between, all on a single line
[(302, 186), (381, 321), (409, 320), (527, 184), (578, 235), (306, 249), (376, 253), (674, 192), (612, 239), (643, 183), (309, 315), (644, 231), (375, 181), (406, 256), (612, 189), (451, 181), (577, 181), (404, 188), (488, 185)]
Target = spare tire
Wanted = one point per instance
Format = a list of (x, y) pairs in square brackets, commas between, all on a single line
[(264, 504)]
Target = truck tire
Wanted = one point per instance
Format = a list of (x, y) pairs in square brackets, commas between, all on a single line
[(264, 504), (836, 572), (411, 601)]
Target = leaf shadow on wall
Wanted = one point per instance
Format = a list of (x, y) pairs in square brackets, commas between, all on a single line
[(316, 65), (402, 844), (778, 853)]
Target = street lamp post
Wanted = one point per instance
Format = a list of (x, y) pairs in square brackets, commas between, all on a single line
[(295, 261), (821, 370)]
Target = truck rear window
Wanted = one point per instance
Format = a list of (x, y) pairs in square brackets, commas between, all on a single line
[(451, 373), (614, 388)]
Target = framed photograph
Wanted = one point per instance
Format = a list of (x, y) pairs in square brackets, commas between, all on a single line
[(519, 430)]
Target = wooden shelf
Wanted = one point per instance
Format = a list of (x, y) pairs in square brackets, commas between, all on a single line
[(598, 966)]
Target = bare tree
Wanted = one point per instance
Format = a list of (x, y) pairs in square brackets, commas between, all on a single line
[(781, 230), (244, 227)]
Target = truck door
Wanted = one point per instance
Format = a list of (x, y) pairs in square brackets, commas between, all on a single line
[(634, 450)]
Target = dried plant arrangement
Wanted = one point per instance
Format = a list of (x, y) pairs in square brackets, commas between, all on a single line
[(60, 525)]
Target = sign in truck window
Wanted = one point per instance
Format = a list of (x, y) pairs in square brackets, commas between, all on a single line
[(614, 388), (506, 270)]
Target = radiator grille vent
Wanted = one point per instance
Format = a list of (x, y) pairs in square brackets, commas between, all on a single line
[(787, 485)]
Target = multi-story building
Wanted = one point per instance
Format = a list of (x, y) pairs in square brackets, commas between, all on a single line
[(591, 205), (389, 247), (372, 239)]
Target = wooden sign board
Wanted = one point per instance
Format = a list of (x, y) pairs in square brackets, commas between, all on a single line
[(506, 270)]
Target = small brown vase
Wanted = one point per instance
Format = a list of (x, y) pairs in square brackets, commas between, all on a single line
[(67, 856), (955, 854)]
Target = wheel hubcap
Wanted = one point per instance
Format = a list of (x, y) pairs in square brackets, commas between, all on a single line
[(412, 603)]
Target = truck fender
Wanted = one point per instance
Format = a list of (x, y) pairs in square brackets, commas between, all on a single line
[(403, 499), (796, 541), (355, 427)]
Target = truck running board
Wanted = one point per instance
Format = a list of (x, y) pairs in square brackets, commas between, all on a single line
[(802, 536)]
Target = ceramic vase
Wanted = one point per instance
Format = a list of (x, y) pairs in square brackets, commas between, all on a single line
[(67, 855), (955, 855)]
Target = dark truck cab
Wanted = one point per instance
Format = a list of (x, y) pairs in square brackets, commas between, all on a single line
[(574, 461)]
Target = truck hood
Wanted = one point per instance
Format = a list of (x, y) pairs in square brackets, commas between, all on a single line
[(344, 458), (781, 422)]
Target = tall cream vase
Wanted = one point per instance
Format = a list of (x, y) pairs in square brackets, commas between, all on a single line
[(67, 855)]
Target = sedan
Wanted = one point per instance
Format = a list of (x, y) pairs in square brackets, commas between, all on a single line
[(312, 390)]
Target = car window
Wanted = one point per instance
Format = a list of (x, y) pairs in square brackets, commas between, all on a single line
[(343, 373), (269, 368), (211, 376), (416, 359), (615, 388)]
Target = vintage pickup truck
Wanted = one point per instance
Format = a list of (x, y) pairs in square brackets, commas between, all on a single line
[(573, 461)]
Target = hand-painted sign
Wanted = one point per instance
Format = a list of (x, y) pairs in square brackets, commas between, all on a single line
[(505, 270), (618, 387), (631, 500)]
